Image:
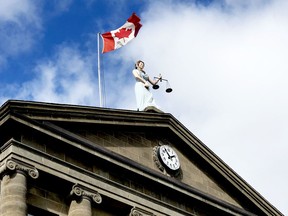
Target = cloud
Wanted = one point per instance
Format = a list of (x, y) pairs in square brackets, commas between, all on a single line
[(227, 67), (67, 77), (19, 27), (17, 10)]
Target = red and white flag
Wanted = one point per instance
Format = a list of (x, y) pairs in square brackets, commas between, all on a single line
[(117, 38)]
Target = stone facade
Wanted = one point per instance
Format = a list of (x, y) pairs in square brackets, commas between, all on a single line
[(84, 161)]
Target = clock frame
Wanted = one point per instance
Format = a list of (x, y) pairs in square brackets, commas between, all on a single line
[(167, 160)]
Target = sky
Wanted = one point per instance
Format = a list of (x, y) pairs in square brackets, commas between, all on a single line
[(225, 60)]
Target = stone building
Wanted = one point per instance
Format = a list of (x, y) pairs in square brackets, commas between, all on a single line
[(86, 161)]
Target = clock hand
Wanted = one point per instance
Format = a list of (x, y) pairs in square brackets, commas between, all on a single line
[(169, 157), (172, 156)]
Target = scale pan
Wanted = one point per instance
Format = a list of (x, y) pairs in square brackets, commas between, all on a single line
[(168, 90), (155, 86)]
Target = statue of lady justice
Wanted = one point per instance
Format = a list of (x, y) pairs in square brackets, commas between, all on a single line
[(144, 97)]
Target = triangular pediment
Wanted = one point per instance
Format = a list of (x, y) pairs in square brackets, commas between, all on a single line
[(130, 140)]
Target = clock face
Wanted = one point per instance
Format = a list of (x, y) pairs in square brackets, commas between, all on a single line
[(168, 157)]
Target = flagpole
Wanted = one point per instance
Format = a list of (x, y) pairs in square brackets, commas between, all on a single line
[(99, 72)]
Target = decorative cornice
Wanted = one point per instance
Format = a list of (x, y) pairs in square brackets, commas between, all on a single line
[(135, 211), (14, 165), (80, 190)]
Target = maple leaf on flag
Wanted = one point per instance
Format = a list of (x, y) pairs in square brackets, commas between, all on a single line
[(123, 32)]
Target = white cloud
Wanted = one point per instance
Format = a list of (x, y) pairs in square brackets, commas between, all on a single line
[(68, 77), (229, 77), (16, 10), (20, 27)]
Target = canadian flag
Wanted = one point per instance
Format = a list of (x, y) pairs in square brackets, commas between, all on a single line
[(117, 38)]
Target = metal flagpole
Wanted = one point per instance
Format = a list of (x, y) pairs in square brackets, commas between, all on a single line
[(99, 72)]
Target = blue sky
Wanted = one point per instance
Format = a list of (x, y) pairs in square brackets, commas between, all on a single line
[(225, 60)]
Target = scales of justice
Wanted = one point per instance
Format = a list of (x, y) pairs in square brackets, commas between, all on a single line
[(168, 87)]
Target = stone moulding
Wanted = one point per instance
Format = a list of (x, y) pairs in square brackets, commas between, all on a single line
[(135, 211), (12, 164), (80, 190)]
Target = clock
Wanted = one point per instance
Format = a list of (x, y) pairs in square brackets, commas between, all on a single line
[(168, 158)]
